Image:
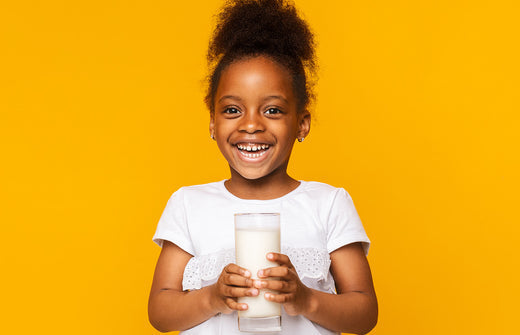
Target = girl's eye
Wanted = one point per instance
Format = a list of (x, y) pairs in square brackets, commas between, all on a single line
[(273, 111), (231, 110)]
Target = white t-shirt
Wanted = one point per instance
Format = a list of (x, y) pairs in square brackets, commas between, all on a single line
[(315, 219)]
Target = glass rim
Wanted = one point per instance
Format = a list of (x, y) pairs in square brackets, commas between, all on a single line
[(253, 214)]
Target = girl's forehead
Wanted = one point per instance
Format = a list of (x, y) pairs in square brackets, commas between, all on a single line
[(260, 61), (258, 74)]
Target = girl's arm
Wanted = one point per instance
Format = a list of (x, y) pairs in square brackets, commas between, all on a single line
[(352, 310), (170, 308)]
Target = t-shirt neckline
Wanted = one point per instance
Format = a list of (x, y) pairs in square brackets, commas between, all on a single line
[(287, 195)]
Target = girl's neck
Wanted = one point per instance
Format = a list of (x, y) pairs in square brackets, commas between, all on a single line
[(269, 187)]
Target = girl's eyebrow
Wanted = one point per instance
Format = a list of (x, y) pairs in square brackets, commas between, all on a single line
[(279, 97), (233, 97), (237, 98)]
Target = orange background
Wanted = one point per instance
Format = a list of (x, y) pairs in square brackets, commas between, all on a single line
[(101, 119)]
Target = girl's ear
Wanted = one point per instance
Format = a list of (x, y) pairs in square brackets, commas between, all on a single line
[(212, 126), (304, 124)]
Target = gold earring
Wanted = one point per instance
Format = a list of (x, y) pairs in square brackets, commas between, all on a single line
[(301, 139)]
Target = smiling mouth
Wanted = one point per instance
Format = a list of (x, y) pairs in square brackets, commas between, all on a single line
[(251, 150)]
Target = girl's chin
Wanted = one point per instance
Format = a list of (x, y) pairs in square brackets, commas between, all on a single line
[(249, 174)]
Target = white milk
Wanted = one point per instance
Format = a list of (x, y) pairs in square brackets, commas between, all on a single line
[(252, 246)]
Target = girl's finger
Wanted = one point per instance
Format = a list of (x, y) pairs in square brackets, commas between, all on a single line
[(233, 268), (279, 258), (281, 286), (237, 280), (279, 298), (277, 271), (234, 305), (237, 292)]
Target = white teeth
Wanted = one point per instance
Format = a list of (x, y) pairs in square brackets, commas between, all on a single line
[(253, 147), (253, 155)]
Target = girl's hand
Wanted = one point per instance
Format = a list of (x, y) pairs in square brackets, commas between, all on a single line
[(292, 294), (234, 282)]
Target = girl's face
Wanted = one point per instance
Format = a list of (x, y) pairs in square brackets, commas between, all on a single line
[(256, 122)]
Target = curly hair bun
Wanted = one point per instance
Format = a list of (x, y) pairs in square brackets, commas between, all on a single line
[(261, 26)]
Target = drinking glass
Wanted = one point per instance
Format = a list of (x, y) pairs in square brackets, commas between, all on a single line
[(257, 234)]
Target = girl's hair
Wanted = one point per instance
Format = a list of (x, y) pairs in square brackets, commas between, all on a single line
[(270, 28)]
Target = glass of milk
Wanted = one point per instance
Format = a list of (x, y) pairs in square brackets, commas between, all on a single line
[(257, 234)]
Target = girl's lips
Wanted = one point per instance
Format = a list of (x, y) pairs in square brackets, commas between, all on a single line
[(252, 152)]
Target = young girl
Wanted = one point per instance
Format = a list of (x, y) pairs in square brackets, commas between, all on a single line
[(258, 98)]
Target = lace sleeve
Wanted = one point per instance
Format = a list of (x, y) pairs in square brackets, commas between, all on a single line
[(204, 270), (312, 266)]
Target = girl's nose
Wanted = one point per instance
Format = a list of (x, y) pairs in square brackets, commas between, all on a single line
[(251, 123)]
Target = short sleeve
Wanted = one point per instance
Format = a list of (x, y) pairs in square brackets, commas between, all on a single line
[(344, 224), (173, 225)]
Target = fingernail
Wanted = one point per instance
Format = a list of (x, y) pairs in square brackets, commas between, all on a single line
[(258, 283), (254, 292), (270, 256), (244, 307), (260, 273), (247, 274), (267, 295)]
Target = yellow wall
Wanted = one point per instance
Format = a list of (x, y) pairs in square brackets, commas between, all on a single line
[(101, 119)]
